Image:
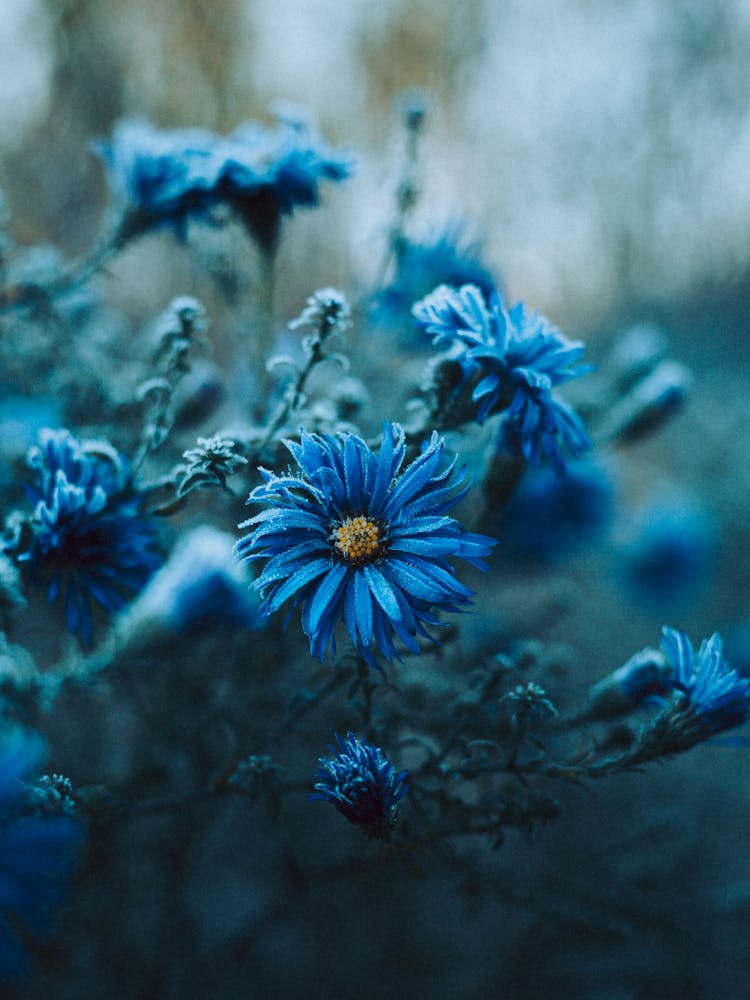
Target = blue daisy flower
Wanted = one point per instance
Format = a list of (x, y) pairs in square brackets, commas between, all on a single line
[(515, 359), (361, 783), (715, 693), (88, 540), (353, 537)]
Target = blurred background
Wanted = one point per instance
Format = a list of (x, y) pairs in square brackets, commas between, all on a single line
[(600, 150), (599, 153)]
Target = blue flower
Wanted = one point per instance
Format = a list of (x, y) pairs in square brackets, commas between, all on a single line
[(420, 267), (88, 539), (163, 177), (160, 177), (360, 782), (515, 359), (267, 173), (354, 537), (712, 691), (36, 855), (198, 590), (672, 554), (550, 515)]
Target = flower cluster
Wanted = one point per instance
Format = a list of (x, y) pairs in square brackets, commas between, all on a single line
[(88, 538), (165, 177), (353, 536), (513, 359), (360, 782), (36, 854)]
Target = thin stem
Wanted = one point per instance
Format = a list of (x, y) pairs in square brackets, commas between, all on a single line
[(266, 295), (30, 294), (302, 708), (367, 689), (293, 399)]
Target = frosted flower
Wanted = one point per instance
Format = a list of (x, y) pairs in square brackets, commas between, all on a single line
[(199, 589), (444, 259), (88, 539), (160, 177), (210, 463), (514, 359), (327, 309), (164, 177), (712, 692), (352, 536), (361, 783)]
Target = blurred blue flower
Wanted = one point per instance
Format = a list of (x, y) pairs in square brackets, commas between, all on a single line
[(200, 588), (163, 177), (267, 173), (361, 783), (420, 267), (670, 557), (550, 515), (515, 358), (715, 693), (158, 176), (354, 537), (36, 855), (88, 539)]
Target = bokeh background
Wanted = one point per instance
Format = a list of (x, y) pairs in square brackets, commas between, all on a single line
[(599, 152)]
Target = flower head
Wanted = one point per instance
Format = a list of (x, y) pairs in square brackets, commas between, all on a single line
[(531, 702), (515, 359), (326, 310), (353, 536), (360, 782), (160, 177), (36, 854), (444, 259), (210, 463), (164, 177), (88, 538), (549, 515), (270, 172), (713, 694), (672, 553)]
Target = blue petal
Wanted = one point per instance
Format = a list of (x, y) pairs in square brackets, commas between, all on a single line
[(326, 594), (382, 592), (301, 578)]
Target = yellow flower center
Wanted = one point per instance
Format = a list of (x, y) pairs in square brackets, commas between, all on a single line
[(357, 539)]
